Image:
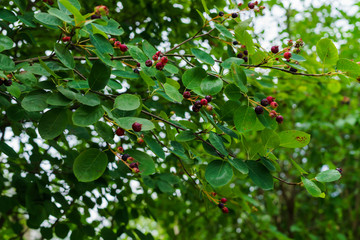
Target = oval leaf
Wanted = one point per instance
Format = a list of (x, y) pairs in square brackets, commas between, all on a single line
[(218, 173), (294, 139), (203, 56), (328, 176), (260, 175), (127, 102), (90, 165), (53, 123), (99, 76)]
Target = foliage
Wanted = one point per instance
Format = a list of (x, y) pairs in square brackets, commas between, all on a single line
[(71, 80)]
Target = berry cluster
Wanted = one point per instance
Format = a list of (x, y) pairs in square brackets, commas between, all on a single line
[(251, 5), (119, 45), (160, 64), (130, 160), (243, 53), (199, 103), (6, 82), (221, 205), (272, 113), (287, 54)]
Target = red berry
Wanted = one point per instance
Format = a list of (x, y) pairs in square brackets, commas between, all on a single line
[(101, 10), (155, 57), (134, 165), (208, 98), (140, 140), (130, 159), (264, 102), (223, 200), (136, 127), (112, 40), (203, 102), (187, 94), (274, 105), (279, 119), (123, 48), (159, 66), (120, 132), (138, 64), (136, 170), (117, 44), (120, 149), (287, 55), (251, 5), (213, 193), (225, 210), (259, 109), (66, 39), (270, 99), (148, 63), (158, 53), (164, 60), (272, 114), (275, 49)]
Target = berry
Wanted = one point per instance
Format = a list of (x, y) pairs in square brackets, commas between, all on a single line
[(136, 70), (112, 40), (243, 46), (138, 64), (245, 59), (66, 39), (240, 4), (264, 102), (290, 43), (155, 57), (136, 127), (274, 105), (213, 193), (251, 5), (120, 132), (221, 14), (293, 69), (240, 55), (187, 94), (130, 159), (209, 108), (221, 205), (275, 49), (225, 210), (287, 55), (1, 81), (159, 66), (339, 170), (296, 50), (140, 140), (195, 109), (120, 149), (125, 157), (136, 170), (123, 48), (134, 165), (235, 42), (234, 15), (272, 114), (256, 2), (198, 104), (279, 119), (101, 10), (117, 44), (148, 63), (203, 102), (270, 99), (8, 82), (223, 200), (259, 109), (246, 53), (164, 60), (95, 16), (208, 98), (158, 53)]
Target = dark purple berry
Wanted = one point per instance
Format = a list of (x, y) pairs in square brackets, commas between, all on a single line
[(239, 55), (259, 109), (195, 109), (235, 42), (221, 14), (125, 157), (134, 165), (138, 64), (8, 82), (293, 69), (264, 102), (245, 59), (148, 63), (251, 5), (95, 16), (187, 94), (198, 104), (275, 49), (208, 98), (221, 205), (1, 81), (136, 70), (246, 52), (234, 15), (280, 119)]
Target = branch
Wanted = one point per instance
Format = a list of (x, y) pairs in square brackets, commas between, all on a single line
[(288, 183)]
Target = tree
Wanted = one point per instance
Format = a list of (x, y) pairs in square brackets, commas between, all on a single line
[(120, 124)]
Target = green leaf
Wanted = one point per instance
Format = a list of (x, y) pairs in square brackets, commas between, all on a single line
[(127, 102), (47, 19), (351, 68), (229, 61), (173, 93), (126, 74), (60, 14), (127, 122), (260, 175), (99, 76), (171, 68), (7, 150), (185, 136), (205, 7), (104, 131), (8, 15), (211, 85), (90, 165), (241, 28), (147, 79), (328, 176), (6, 63), (146, 163), (270, 139), (154, 146), (203, 56), (148, 49), (192, 78), (5, 43), (62, 230), (239, 165), (112, 28), (101, 44), (297, 166), (223, 30), (72, 8), (137, 54), (267, 121), (244, 119), (52, 123), (327, 51), (218, 143), (64, 56), (89, 99), (312, 188), (294, 139), (34, 102), (218, 173), (239, 77), (86, 115), (233, 92)]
